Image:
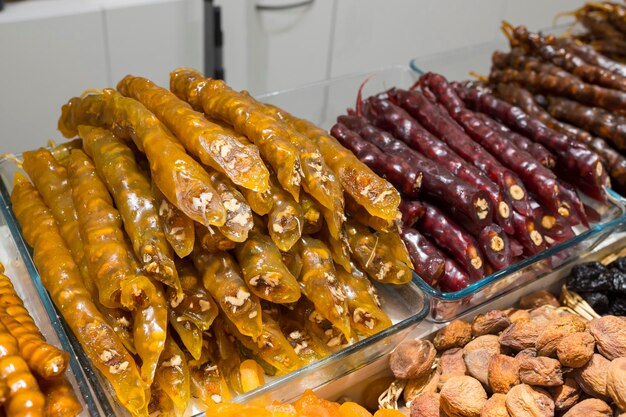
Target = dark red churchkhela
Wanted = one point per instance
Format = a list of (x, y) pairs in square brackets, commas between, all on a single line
[(428, 261)]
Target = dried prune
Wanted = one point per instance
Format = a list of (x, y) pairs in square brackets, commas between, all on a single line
[(588, 277), (617, 306), (597, 300), (619, 263), (617, 279)]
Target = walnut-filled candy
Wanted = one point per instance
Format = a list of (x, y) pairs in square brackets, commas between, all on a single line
[(412, 359), (463, 396)]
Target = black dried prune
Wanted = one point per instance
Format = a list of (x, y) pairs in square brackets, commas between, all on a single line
[(618, 306), (588, 277), (597, 300), (617, 279), (619, 263)]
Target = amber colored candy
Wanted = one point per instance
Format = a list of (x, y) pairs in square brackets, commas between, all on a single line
[(311, 405), (350, 409), (61, 399), (178, 228), (172, 375)]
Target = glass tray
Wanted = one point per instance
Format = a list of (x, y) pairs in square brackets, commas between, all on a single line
[(322, 102), (405, 305)]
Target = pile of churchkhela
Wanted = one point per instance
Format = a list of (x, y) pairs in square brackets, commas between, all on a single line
[(195, 240)]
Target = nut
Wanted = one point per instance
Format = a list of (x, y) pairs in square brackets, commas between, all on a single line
[(566, 395), (616, 382), (412, 359), (463, 396), (576, 349), (590, 407), (451, 364), (492, 322), (525, 401), (456, 334), (555, 331), (426, 405), (495, 407), (538, 299), (521, 335), (477, 355), (426, 383), (592, 376), (503, 373), (542, 371), (610, 335)]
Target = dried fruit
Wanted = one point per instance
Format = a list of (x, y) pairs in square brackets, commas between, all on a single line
[(526, 353), (426, 405), (542, 371), (548, 339), (463, 396), (590, 407), (518, 315), (412, 359), (610, 335), (576, 349), (427, 383), (503, 373), (477, 355), (492, 322), (538, 299), (456, 334), (521, 335), (525, 401), (592, 376), (451, 364), (373, 390), (616, 382), (566, 395), (495, 407), (545, 314), (586, 278)]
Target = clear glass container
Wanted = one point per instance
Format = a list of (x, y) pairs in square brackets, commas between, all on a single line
[(405, 305)]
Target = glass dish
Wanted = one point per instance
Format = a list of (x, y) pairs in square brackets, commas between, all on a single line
[(405, 305), (322, 102), (16, 259)]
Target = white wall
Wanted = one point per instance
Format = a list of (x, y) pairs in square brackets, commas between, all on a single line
[(274, 50), (52, 50)]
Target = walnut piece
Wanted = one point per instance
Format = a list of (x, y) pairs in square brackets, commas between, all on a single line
[(456, 334), (412, 359), (492, 322), (576, 349), (463, 396)]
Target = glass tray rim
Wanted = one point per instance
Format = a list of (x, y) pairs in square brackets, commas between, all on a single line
[(89, 371)]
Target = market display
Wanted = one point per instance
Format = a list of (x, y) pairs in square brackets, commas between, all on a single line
[(32, 372), (190, 278), (539, 359)]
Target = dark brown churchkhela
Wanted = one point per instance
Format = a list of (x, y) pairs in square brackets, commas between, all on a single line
[(428, 260), (393, 168), (466, 202), (574, 159), (536, 177), (394, 118), (590, 55)]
